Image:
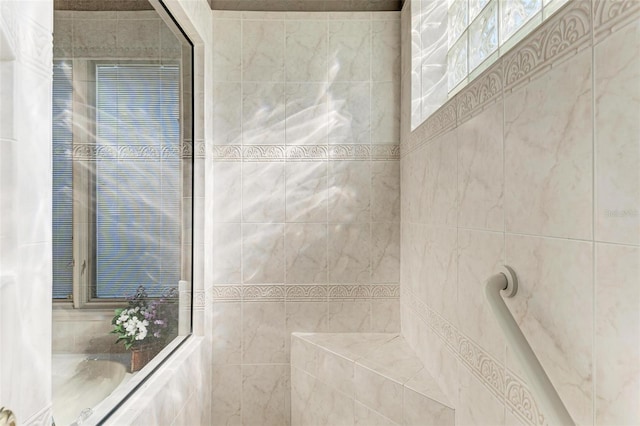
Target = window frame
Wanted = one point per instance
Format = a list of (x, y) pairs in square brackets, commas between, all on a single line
[(84, 128)]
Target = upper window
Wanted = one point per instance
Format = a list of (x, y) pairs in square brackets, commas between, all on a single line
[(455, 40)]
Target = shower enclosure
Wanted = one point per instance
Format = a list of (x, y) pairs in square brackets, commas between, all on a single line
[(122, 199)]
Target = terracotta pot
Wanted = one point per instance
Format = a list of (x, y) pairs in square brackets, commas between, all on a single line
[(141, 355)]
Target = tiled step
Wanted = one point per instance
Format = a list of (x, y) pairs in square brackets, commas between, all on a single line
[(362, 379)]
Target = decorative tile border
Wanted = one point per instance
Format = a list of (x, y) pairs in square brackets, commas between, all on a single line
[(30, 42), (609, 15), (564, 34), (500, 381), (92, 152), (485, 89), (304, 293), (281, 153)]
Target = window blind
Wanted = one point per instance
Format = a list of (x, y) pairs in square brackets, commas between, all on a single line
[(62, 216), (138, 179)]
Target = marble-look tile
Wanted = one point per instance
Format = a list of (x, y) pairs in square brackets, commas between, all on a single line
[(227, 202), (306, 192), (374, 390), (365, 416), (480, 171), (227, 56), (349, 253), (263, 50), (349, 118), (227, 113), (306, 317), (438, 196), (477, 406), (226, 394), (306, 50), (385, 191), (439, 271), (548, 153), (227, 333), (305, 253), (337, 372), (263, 395), (418, 409), (385, 55), (263, 333), (617, 70), (263, 113), (385, 253), (226, 253), (394, 360), (480, 254), (349, 50), (349, 316), (315, 403), (263, 192), (385, 316), (385, 112), (307, 116), (439, 360), (350, 345), (304, 355), (617, 328), (349, 191), (263, 253), (554, 309)]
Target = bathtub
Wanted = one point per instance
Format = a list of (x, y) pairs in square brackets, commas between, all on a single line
[(82, 381)]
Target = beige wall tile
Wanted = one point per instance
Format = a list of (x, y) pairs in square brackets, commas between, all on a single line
[(554, 309), (617, 328), (548, 153), (306, 50), (305, 253), (263, 394), (263, 333), (617, 69), (480, 171), (263, 50)]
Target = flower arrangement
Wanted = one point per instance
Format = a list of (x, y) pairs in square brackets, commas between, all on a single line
[(146, 320)]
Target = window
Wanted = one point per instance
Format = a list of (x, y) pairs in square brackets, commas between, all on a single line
[(453, 41), (118, 180)]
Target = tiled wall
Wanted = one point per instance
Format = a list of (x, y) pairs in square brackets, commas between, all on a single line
[(362, 379), (25, 212), (535, 164), (305, 193)]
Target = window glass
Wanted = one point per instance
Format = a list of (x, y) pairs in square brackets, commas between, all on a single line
[(138, 194)]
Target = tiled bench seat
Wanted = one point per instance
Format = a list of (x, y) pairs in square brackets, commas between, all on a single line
[(362, 379)]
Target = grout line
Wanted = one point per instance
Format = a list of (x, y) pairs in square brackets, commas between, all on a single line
[(594, 269)]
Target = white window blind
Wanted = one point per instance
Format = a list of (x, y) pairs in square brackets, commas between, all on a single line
[(138, 179), (62, 181)]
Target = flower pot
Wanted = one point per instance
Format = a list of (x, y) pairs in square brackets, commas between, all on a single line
[(141, 355)]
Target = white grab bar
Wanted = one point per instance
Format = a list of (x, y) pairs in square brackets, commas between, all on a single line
[(505, 280)]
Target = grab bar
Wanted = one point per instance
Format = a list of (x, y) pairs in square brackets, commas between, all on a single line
[(507, 282)]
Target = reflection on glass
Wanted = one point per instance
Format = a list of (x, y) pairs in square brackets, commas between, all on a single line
[(457, 62), (483, 36), (122, 190), (458, 20), (514, 14)]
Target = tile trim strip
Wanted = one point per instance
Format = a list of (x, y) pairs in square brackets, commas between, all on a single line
[(304, 293), (565, 33), (503, 383), (290, 153)]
